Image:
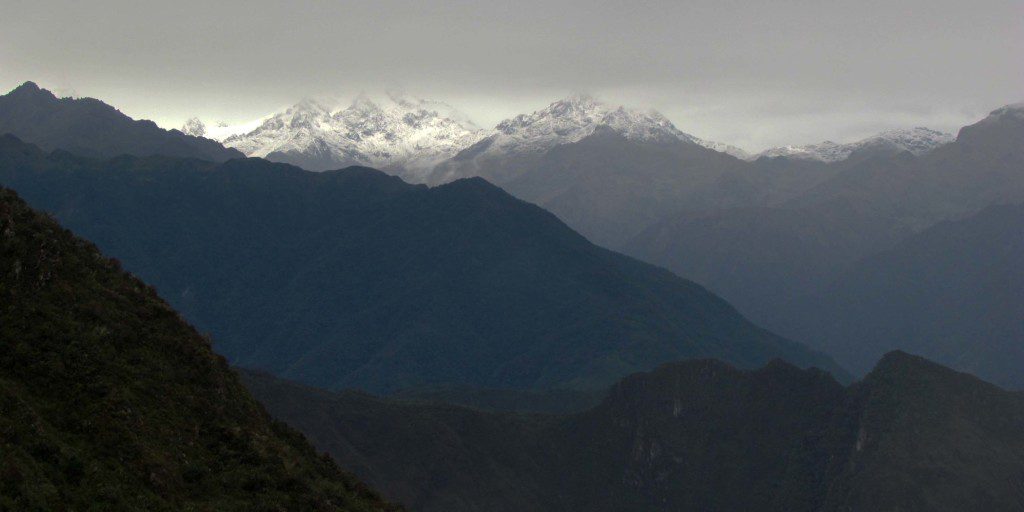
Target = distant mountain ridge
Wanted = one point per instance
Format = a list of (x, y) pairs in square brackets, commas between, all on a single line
[(778, 262), (917, 141), (355, 278), (693, 435), (89, 127), (612, 172)]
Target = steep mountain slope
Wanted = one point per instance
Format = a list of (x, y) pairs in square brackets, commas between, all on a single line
[(90, 127), (954, 293), (108, 401), (917, 141), (398, 133), (355, 278), (696, 435)]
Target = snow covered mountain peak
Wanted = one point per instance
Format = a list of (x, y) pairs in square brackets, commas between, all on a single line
[(396, 132), (577, 116), (194, 127), (408, 136), (561, 118), (918, 140)]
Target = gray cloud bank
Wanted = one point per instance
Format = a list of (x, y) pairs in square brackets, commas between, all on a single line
[(753, 74)]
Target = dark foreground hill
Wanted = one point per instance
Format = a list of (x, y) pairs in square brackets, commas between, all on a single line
[(697, 435), (108, 401), (87, 126), (354, 278)]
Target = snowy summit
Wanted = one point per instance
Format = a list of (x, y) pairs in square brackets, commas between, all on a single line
[(398, 133), (571, 119), (918, 141)]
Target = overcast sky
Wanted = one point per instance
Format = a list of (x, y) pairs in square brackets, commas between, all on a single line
[(754, 74)]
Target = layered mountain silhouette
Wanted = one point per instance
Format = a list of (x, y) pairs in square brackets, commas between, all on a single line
[(768, 259), (695, 435), (770, 235), (430, 142), (354, 278), (89, 127), (953, 292), (108, 401), (613, 173)]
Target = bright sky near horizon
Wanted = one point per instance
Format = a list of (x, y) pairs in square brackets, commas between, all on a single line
[(754, 74)]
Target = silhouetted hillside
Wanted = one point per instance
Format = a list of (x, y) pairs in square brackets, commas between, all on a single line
[(108, 401)]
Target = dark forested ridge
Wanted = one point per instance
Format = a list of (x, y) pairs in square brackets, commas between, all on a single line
[(89, 127), (109, 401), (696, 435), (353, 278)]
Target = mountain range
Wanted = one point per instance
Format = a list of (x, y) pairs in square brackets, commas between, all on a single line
[(407, 135), (695, 435), (554, 157), (566, 121), (770, 235), (354, 278), (777, 262), (461, 293), (108, 401), (611, 172)]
